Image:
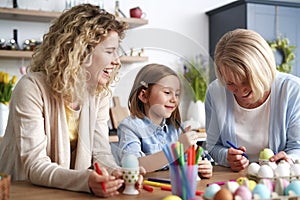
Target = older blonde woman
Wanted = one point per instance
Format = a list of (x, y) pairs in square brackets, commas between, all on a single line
[(59, 110), (251, 104)]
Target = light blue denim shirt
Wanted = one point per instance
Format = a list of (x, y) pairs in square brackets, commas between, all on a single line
[(142, 137), (284, 124)]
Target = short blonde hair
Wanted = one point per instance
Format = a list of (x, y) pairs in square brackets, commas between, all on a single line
[(244, 54), (148, 76), (71, 39)]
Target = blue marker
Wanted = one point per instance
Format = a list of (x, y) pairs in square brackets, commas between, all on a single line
[(233, 146)]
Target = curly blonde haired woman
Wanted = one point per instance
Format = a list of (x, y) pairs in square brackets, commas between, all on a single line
[(57, 128)]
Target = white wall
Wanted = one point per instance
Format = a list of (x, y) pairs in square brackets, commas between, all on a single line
[(176, 29)]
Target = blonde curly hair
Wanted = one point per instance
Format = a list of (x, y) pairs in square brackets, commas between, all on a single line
[(71, 39)]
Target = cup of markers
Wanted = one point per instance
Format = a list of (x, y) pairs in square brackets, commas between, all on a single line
[(183, 174)]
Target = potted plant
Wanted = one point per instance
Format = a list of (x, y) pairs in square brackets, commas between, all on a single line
[(196, 77), (6, 87)]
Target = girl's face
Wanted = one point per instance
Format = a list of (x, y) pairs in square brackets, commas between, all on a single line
[(104, 59), (163, 99)]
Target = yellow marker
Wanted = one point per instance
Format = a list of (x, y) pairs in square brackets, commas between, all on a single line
[(156, 184)]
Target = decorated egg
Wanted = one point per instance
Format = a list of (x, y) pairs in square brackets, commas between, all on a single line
[(249, 184), (293, 189), (253, 168), (211, 190), (265, 171), (242, 193), (265, 155), (172, 197), (269, 183), (223, 194), (241, 180), (280, 185), (261, 192), (232, 186)]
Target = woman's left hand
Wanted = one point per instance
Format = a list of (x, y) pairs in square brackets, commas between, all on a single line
[(281, 156), (139, 184)]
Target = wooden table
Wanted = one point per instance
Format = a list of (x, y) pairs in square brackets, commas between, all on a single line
[(26, 191)]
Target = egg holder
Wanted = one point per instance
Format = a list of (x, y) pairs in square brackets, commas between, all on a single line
[(130, 176), (4, 186)]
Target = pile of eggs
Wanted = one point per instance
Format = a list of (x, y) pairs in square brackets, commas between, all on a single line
[(246, 189)]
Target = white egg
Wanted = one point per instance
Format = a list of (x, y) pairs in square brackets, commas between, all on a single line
[(295, 169), (282, 170), (265, 171), (273, 165), (253, 168)]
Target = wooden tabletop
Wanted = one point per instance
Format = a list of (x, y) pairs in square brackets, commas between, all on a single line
[(26, 191)]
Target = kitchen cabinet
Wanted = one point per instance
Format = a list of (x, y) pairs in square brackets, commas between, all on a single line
[(270, 18), (47, 16)]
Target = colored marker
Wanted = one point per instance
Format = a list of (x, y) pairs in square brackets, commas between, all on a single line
[(169, 188), (167, 181), (156, 184), (100, 173), (148, 188), (233, 146)]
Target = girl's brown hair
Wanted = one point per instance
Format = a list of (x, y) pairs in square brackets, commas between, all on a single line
[(146, 77)]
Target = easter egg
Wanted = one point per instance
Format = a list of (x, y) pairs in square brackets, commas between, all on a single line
[(232, 186), (253, 169), (282, 170), (242, 193), (130, 161), (265, 155), (268, 183), (241, 180), (265, 171), (261, 192), (293, 188), (223, 194), (172, 197), (211, 190)]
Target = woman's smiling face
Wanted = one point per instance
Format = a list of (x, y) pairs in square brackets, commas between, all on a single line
[(104, 60)]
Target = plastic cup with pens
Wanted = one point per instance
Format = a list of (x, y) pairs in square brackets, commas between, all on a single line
[(183, 174)]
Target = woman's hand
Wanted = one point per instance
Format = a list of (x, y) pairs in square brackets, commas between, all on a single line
[(139, 184), (112, 184), (236, 160), (281, 156), (205, 169)]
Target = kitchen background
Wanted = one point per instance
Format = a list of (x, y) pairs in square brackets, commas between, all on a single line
[(175, 32)]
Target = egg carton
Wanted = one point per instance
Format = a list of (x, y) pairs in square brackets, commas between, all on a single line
[(257, 178)]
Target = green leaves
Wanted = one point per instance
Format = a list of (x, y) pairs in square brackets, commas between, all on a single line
[(287, 52)]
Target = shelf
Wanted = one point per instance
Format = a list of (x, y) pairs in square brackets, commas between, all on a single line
[(27, 15), (47, 16), (131, 59), (133, 22), (15, 54), (27, 55)]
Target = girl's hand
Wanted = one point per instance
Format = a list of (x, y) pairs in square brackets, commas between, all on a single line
[(236, 160), (205, 169), (188, 139), (281, 156), (112, 184)]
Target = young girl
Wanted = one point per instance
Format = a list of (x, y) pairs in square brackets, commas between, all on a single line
[(153, 104)]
